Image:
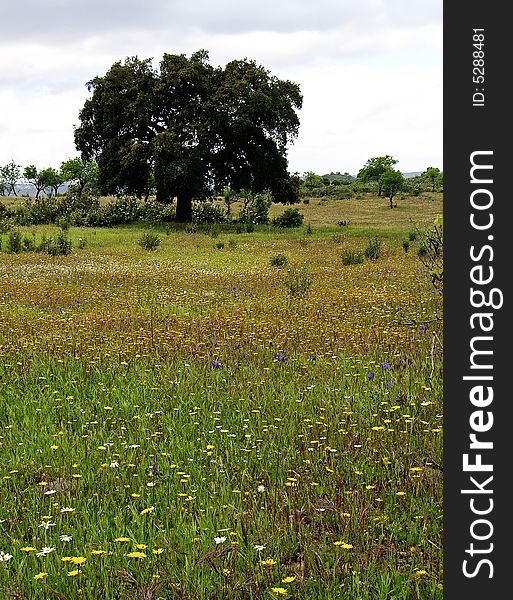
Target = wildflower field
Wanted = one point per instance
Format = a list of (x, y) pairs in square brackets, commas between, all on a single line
[(204, 422)]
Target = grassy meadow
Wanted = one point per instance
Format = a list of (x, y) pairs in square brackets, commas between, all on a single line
[(198, 423)]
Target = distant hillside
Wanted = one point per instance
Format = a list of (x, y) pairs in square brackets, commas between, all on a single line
[(343, 177)]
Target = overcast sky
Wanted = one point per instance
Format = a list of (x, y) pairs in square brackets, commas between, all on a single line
[(370, 71)]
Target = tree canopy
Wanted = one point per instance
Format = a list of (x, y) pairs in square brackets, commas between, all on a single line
[(188, 128), (375, 168)]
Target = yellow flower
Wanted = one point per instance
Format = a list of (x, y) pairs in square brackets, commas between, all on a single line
[(280, 591), (122, 539), (268, 562), (73, 573), (147, 510), (342, 544), (141, 546), (40, 576), (401, 494), (136, 555), (78, 560), (98, 552), (67, 558), (420, 573), (158, 550), (28, 549), (289, 579)]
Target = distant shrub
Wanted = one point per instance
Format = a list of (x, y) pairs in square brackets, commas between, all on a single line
[(149, 241), (219, 245), (406, 245), (299, 281), (291, 217), (373, 249), (157, 212), (343, 223), (250, 227), (14, 243), (208, 212), (351, 257), (279, 260), (58, 245), (256, 210), (29, 243), (232, 243)]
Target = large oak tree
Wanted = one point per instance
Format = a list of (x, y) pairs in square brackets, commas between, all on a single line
[(188, 129)]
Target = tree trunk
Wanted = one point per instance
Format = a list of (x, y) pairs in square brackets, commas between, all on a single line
[(183, 209)]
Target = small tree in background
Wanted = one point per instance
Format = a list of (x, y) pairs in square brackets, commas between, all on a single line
[(375, 170), (10, 176), (392, 181), (434, 176)]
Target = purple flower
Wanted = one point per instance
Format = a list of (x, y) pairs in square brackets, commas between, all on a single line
[(314, 356), (370, 374), (388, 384), (385, 366), (244, 354), (216, 364)]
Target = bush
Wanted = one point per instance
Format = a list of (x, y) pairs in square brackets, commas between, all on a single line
[(219, 245), (208, 212), (157, 212), (291, 217), (257, 210), (125, 209), (373, 249), (278, 261), (299, 281), (58, 245), (149, 241), (350, 257), (14, 242)]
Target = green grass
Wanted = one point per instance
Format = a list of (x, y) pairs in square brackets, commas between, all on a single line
[(303, 427)]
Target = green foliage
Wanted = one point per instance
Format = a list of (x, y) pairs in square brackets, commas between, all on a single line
[(229, 127), (291, 217), (219, 245), (80, 173), (434, 176), (59, 244), (149, 241), (373, 249), (256, 209), (392, 182), (119, 211), (10, 175), (278, 260), (208, 213), (406, 245), (299, 281), (430, 250), (374, 170), (351, 257), (14, 242)]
